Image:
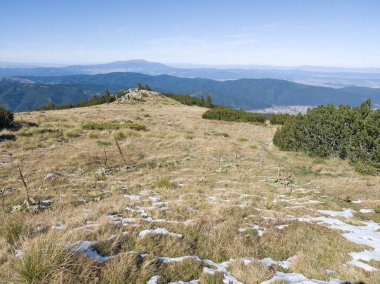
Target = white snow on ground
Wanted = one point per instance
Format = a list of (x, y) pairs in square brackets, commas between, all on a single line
[(89, 227), (346, 213), (281, 227), (260, 232), (165, 259), (367, 233), (296, 278), (269, 261), (182, 282), (58, 226), (19, 253), (50, 176), (356, 201), (132, 197), (364, 210), (86, 247), (115, 219), (154, 279), (217, 267), (362, 265), (154, 198), (157, 201), (159, 231), (298, 202), (140, 211), (221, 267)]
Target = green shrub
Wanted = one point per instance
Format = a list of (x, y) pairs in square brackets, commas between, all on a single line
[(164, 183), (6, 118), (143, 87), (191, 101), (229, 114), (345, 132), (280, 118)]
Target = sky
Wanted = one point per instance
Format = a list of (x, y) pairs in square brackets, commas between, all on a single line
[(344, 33)]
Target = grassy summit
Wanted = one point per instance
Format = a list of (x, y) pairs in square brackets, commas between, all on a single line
[(185, 199)]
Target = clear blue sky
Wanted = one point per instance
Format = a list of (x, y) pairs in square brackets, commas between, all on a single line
[(272, 32)]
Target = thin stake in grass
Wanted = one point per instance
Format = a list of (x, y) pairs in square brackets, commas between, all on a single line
[(3, 202), (105, 157), (119, 150), (24, 182)]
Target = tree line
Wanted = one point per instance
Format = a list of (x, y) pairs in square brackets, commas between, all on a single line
[(191, 101), (95, 100)]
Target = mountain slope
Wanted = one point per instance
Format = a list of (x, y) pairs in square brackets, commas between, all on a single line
[(188, 199), (332, 77), (244, 93), (20, 97), (247, 94)]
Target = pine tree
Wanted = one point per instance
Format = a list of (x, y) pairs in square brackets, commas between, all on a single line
[(6, 118)]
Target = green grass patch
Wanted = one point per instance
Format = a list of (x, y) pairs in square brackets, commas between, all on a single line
[(229, 114), (164, 183), (113, 126)]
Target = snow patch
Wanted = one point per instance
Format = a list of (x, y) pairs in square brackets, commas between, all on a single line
[(346, 213), (50, 176), (159, 231), (296, 278), (132, 197), (260, 232), (182, 282), (154, 279), (269, 262), (86, 247), (281, 227), (361, 265), (364, 210), (19, 253)]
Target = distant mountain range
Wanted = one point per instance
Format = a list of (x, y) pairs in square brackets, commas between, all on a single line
[(30, 92), (320, 76)]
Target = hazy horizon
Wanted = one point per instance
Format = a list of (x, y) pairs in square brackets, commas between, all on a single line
[(15, 64)]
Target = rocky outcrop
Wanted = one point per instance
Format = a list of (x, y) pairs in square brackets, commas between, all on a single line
[(134, 95)]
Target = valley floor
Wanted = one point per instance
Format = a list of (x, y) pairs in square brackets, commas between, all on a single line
[(188, 200)]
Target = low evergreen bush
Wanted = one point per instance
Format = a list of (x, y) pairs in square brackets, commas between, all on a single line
[(6, 118), (345, 132), (229, 114)]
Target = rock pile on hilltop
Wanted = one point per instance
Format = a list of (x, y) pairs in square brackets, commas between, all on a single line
[(134, 94)]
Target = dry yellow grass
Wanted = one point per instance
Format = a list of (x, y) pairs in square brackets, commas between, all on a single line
[(218, 184)]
